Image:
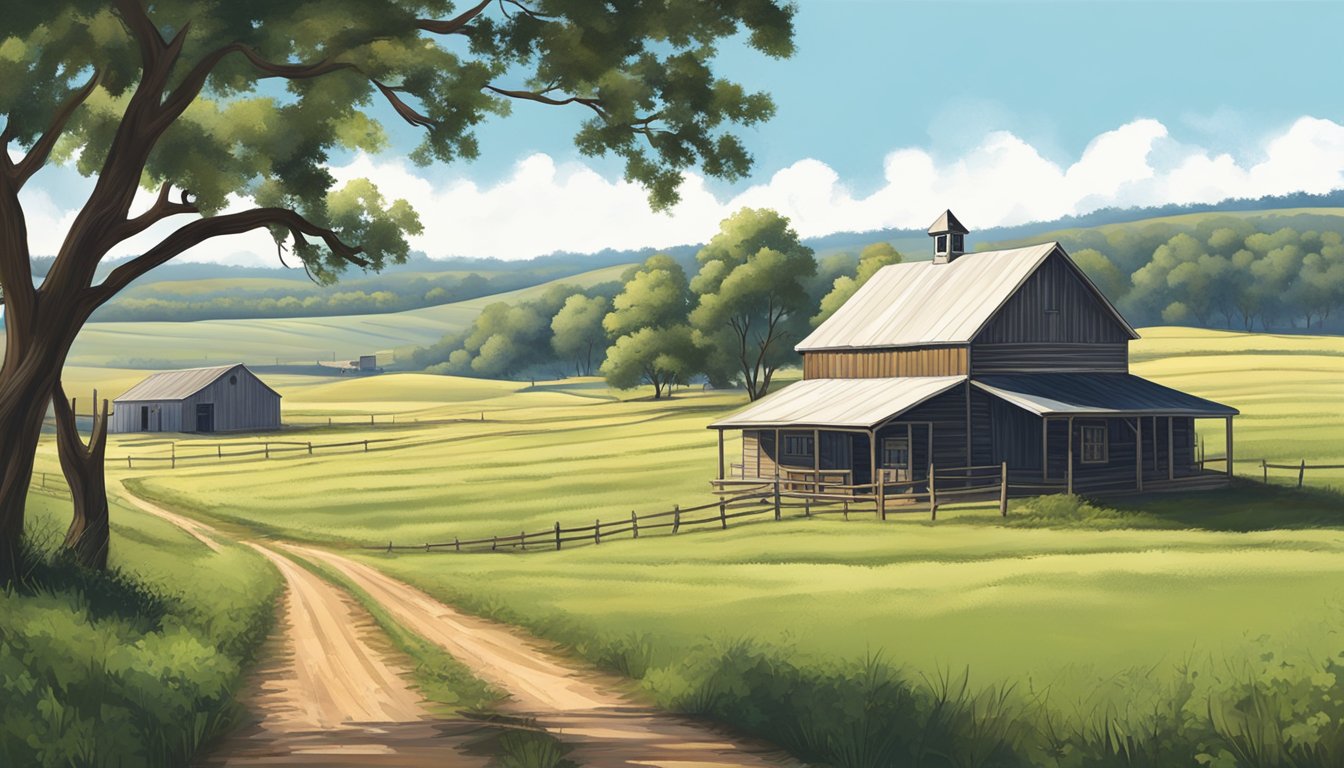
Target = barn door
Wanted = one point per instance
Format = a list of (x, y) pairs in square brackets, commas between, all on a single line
[(896, 457), (144, 418), (205, 417)]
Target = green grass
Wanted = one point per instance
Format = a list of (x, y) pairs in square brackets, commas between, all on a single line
[(1101, 610), (137, 666), (261, 342)]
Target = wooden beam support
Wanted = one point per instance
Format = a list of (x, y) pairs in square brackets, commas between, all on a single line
[(1171, 449), (1068, 472), (1228, 422), (720, 454), (1045, 449), (1138, 453), (872, 477)]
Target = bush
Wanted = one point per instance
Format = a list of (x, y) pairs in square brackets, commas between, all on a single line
[(115, 669), (1065, 511)]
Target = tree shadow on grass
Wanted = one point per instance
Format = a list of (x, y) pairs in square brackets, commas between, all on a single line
[(1245, 505)]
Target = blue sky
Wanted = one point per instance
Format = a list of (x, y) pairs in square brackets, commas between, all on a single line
[(891, 111)]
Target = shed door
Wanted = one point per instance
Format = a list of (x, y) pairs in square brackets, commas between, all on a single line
[(144, 418), (205, 417)]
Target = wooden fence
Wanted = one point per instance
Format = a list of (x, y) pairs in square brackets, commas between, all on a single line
[(756, 497), (264, 450)]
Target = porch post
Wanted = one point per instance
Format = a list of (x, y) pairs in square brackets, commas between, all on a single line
[(720, 454), (816, 461), (1045, 449), (872, 461), (1171, 451), (1068, 474), (779, 453), (1138, 453), (1228, 422)]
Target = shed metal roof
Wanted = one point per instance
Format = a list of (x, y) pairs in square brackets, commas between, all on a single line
[(177, 385), (854, 403), (1096, 394), (923, 303)]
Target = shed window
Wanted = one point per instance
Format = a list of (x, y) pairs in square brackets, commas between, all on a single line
[(941, 243), (958, 243), (896, 452), (797, 445), (1094, 444)]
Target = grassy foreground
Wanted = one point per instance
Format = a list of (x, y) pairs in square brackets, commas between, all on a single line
[(1183, 630), (137, 666)]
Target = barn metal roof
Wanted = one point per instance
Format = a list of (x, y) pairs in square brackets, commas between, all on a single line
[(1096, 394), (922, 303), (855, 403), (177, 385)]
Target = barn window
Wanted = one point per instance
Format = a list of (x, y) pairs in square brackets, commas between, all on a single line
[(941, 244), (233, 379), (1094, 444), (896, 452), (958, 243), (798, 445)]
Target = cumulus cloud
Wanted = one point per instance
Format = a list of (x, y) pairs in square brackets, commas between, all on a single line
[(544, 206)]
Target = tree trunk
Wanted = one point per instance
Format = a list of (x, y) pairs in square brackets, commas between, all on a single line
[(88, 535), (35, 347), (24, 391)]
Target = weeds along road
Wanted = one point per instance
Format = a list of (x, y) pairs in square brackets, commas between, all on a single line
[(328, 695)]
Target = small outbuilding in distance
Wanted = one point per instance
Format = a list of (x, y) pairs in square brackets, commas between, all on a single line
[(225, 398)]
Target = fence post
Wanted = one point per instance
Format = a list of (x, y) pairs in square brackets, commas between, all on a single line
[(457, 544), (725, 520), (676, 518), (494, 543), (128, 463), (370, 419), (597, 531), (389, 546), (310, 447), (557, 535), (426, 547), (268, 450), (933, 495), (219, 449), (723, 517), (634, 523), (880, 494), (807, 507), (366, 446), (1264, 469), (522, 540), (1003, 489), (1301, 470), (44, 479), (173, 446)]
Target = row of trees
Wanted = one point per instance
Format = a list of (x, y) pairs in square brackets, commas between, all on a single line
[(756, 291)]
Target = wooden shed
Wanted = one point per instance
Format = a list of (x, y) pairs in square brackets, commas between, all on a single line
[(226, 398), (994, 358)]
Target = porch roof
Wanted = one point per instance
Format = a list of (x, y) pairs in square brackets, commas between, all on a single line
[(848, 403), (1096, 394)]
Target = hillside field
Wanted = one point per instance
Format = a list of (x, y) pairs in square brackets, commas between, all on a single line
[(1054, 604)]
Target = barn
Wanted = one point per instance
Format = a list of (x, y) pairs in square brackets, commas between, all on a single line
[(987, 359), (225, 398)]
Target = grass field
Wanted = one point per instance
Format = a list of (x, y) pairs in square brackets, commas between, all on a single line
[(1072, 609), (134, 667), (262, 342)]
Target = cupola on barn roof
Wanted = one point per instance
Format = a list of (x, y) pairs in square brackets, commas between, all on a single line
[(948, 222), (949, 238)]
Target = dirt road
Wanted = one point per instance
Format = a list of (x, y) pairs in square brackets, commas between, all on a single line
[(334, 695)]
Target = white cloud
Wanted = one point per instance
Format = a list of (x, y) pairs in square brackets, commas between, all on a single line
[(543, 206)]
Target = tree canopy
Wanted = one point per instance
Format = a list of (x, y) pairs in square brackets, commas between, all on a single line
[(232, 112)]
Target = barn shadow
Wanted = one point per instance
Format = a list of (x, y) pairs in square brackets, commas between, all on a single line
[(1245, 505)]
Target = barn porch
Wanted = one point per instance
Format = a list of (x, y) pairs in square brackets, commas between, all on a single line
[(1037, 433)]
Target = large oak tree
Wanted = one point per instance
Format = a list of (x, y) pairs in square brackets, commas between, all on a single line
[(210, 103)]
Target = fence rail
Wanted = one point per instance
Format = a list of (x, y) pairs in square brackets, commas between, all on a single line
[(263, 449)]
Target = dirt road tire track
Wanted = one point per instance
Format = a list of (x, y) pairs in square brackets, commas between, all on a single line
[(330, 697)]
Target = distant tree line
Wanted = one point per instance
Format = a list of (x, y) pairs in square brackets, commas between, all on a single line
[(1241, 273), (165, 301), (732, 316)]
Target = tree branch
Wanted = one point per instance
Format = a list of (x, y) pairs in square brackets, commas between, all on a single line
[(146, 35), (37, 155), (162, 208), (454, 26), (542, 98), (197, 232)]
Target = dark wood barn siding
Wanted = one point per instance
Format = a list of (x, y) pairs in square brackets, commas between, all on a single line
[(246, 405), (947, 412), (1053, 306), (1001, 432), (885, 363), (1041, 357), (164, 416)]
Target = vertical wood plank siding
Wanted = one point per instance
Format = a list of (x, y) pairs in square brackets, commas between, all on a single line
[(886, 363), (1055, 306), (248, 405), (947, 412)]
